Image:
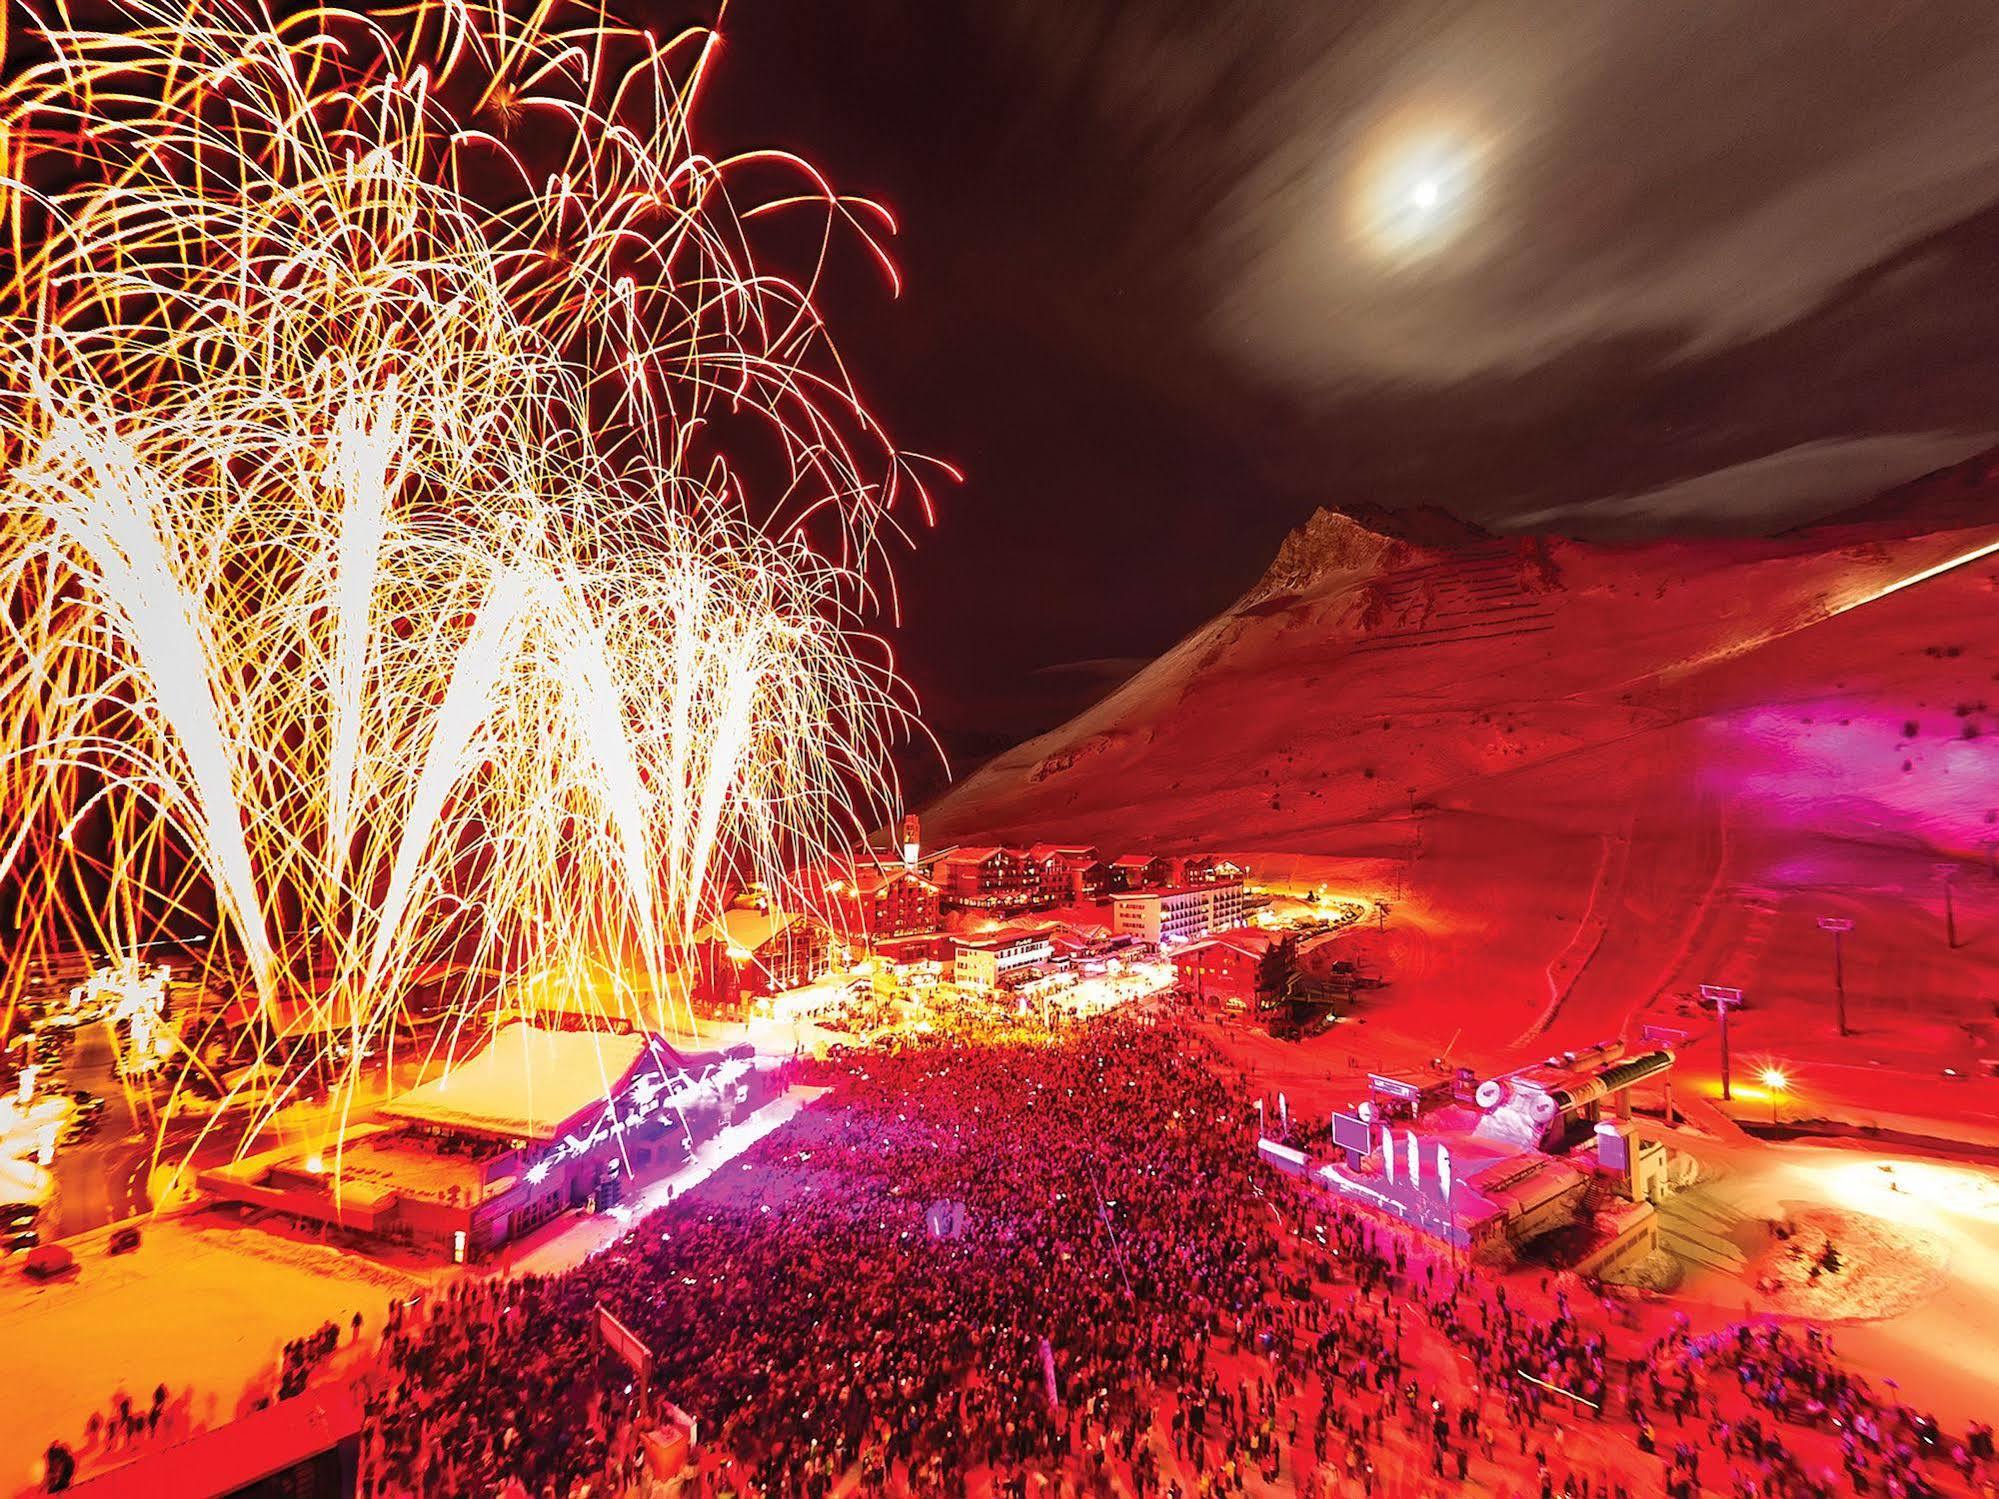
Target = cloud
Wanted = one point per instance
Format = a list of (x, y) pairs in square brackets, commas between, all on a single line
[(1770, 493), (1690, 173)]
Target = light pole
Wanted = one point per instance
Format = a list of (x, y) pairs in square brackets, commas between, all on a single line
[(1723, 999), (1947, 873), (1839, 926), (1775, 1081)]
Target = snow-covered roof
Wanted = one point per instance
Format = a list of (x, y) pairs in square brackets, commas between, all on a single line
[(1082, 934), (968, 855), (526, 1083), (747, 928), (867, 881), (1004, 937), (1131, 861), (1516, 1185), (1251, 942)]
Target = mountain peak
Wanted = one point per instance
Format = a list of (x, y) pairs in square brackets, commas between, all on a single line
[(1357, 539)]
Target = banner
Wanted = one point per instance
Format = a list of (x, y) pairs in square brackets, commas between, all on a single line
[(622, 1341)]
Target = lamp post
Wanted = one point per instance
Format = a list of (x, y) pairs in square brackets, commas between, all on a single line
[(1839, 926), (1775, 1082), (1723, 999)]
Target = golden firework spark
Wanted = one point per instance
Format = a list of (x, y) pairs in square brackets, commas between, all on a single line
[(388, 589)]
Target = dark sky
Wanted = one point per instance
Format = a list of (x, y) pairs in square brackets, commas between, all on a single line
[(1177, 273)]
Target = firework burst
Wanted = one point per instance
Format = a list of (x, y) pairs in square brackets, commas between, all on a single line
[(386, 599)]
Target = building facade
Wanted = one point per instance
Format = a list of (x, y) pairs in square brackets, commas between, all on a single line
[(984, 962), (1224, 969), (1178, 914), (972, 876), (876, 904), (1204, 869), (751, 951)]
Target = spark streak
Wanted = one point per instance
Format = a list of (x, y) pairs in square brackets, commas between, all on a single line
[(435, 551)]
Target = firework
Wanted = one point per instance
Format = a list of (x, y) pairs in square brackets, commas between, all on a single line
[(436, 553)]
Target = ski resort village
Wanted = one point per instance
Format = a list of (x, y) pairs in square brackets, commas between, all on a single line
[(1174, 749)]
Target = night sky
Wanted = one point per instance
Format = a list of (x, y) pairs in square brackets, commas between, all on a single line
[(1178, 273)]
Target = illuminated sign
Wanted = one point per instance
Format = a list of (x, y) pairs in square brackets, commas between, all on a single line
[(644, 1101)]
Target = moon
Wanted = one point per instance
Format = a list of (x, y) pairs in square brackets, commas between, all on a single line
[(1414, 190)]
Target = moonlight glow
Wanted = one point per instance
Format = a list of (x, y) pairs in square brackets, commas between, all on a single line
[(1413, 192)]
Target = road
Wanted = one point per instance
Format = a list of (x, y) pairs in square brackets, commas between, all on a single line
[(103, 1179), (108, 1178)]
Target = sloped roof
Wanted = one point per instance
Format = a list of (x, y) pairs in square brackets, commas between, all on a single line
[(1006, 936), (747, 927), (868, 880), (527, 1083), (1131, 861), (968, 855), (1250, 941)]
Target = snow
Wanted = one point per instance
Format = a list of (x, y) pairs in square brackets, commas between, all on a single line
[(1657, 768), (526, 1083), (746, 929), (1923, 1307), (204, 1301), (1883, 1269)]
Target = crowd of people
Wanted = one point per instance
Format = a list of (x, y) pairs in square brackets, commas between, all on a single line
[(1054, 1265), (1104, 1215), (1117, 1298)]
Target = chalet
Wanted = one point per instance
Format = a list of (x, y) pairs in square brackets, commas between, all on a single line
[(886, 901), (1206, 869), (1225, 968), (1072, 872), (971, 876), (752, 950), (1086, 944), (1130, 872)]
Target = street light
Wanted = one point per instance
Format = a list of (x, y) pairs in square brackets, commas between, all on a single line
[(1838, 926), (1775, 1081)]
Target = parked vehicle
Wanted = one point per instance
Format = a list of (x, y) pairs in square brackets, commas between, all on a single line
[(47, 1261), (125, 1240)]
